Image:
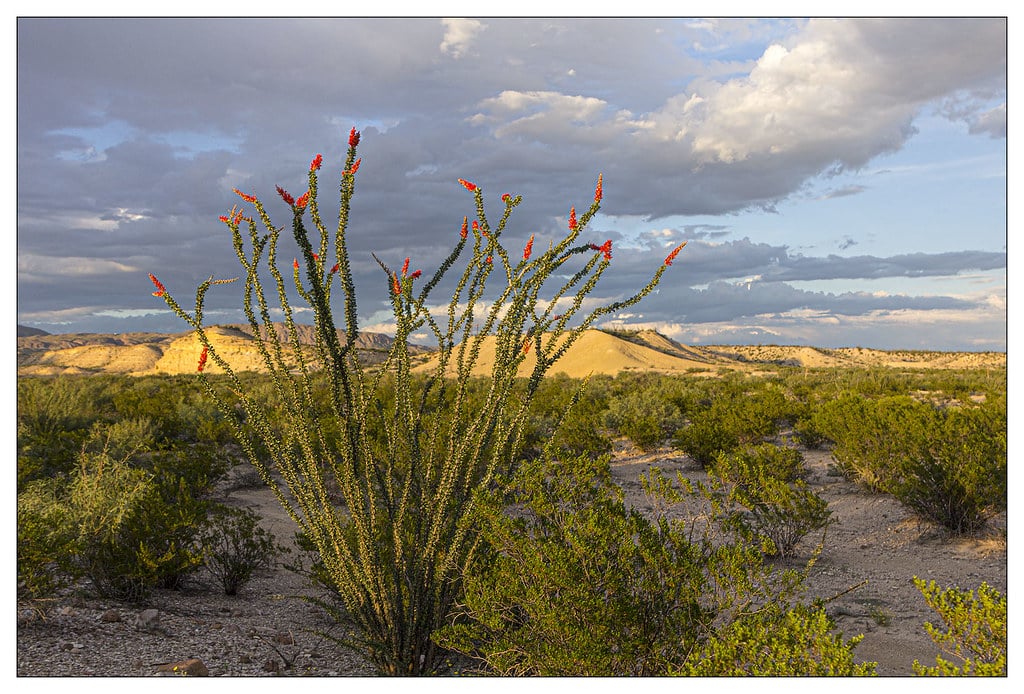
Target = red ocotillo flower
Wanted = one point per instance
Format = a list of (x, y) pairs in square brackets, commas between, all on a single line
[(467, 185), (160, 288), (353, 138), (529, 248), (674, 253), (334, 269), (416, 274), (355, 167), (476, 225), (489, 260), (318, 160), (285, 196), (303, 200), (526, 347), (247, 198), (405, 267), (505, 197), (396, 284), (572, 219), (606, 248), (465, 227), (599, 192), (202, 359), (295, 263), (224, 218)]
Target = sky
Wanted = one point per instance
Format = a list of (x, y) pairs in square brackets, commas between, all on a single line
[(839, 182)]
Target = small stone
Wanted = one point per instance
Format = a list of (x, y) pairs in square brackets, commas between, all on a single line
[(271, 666), (110, 616), (245, 658), (285, 639), (193, 667)]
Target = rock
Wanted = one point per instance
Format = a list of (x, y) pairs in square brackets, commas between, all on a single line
[(284, 638), (110, 616), (271, 666), (149, 621), (193, 667)]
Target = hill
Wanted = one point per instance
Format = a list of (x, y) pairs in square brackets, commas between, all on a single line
[(595, 352), (142, 354)]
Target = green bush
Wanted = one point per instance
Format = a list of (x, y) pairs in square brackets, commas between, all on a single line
[(955, 475), (44, 541), (779, 509), (948, 464), (704, 439), (235, 546), (796, 642), (577, 584), (974, 634), (645, 417)]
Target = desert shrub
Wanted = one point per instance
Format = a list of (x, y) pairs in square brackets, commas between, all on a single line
[(870, 435), (124, 518), (234, 546), (572, 431), (44, 541), (797, 641), (704, 438), (947, 464), (973, 632), (404, 461), (752, 463), (779, 509), (578, 584), (55, 416), (645, 417), (955, 475)]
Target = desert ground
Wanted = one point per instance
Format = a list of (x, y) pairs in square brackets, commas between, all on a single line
[(875, 548)]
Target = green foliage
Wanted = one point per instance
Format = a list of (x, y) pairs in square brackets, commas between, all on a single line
[(948, 464), (646, 416), (234, 546), (577, 584), (778, 642), (779, 509), (125, 518), (44, 541), (974, 631), (380, 467)]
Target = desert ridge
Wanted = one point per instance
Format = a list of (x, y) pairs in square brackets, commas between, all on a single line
[(595, 352)]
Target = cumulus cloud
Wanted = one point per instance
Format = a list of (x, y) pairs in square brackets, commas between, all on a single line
[(459, 35), (128, 149)]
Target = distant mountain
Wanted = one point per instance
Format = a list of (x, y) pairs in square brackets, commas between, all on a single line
[(141, 354), (25, 331), (595, 352)]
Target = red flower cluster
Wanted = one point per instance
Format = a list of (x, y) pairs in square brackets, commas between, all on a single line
[(334, 269), (605, 248), (160, 288), (599, 192), (247, 198), (202, 359), (355, 167), (572, 219), (318, 160), (303, 200), (674, 253), (505, 198), (467, 185), (529, 248), (295, 263), (285, 196), (465, 227), (353, 138)]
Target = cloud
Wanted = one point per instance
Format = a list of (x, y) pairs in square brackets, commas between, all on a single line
[(459, 35)]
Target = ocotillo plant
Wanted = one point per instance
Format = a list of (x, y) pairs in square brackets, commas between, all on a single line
[(384, 485)]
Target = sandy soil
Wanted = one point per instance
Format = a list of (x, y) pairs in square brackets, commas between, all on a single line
[(267, 631)]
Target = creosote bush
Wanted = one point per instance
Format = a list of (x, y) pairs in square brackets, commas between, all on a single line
[(575, 583), (380, 469), (235, 546), (974, 634)]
